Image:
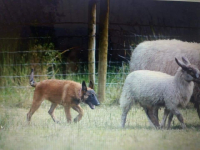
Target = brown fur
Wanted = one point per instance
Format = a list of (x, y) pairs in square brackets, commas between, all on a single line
[(64, 92)]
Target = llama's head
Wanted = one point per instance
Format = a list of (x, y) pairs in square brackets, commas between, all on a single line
[(190, 72)]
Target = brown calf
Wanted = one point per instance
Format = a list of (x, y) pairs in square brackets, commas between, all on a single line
[(67, 93)]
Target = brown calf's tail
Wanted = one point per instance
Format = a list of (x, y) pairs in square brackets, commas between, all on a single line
[(32, 82)]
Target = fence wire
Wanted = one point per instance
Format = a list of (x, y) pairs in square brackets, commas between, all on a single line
[(44, 51), (15, 77), (53, 65), (62, 63)]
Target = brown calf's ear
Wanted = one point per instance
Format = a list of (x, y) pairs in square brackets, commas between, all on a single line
[(84, 87), (91, 85)]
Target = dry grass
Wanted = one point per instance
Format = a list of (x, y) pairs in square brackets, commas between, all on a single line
[(99, 129)]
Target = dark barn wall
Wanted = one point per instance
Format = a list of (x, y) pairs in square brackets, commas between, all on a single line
[(129, 19), (167, 18), (65, 21)]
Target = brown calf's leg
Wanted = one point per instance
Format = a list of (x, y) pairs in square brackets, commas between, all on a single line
[(68, 113), (51, 111), (35, 105), (80, 111)]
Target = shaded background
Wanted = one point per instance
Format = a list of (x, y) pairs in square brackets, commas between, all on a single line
[(65, 24)]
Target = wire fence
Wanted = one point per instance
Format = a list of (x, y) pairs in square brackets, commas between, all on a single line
[(62, 76), (51, 67), (15, 69), (43, 51)]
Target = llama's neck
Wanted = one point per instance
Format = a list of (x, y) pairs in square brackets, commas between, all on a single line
[(179, 79), (185, 88)]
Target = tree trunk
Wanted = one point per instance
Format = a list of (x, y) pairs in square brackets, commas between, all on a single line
[(92, 41), (103, 48)]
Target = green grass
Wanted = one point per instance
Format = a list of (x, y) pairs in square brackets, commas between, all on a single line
[(98, 129)]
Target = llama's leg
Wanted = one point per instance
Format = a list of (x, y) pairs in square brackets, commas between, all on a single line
[(166, 113), (196, 105), (179, 117), (80, 111), (51, 112), (169, 120), (148, 117), (125, 111), (152, 119), (150, 122), (155, 113)]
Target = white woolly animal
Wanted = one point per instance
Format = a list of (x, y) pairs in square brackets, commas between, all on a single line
[(153, 89), (159, 56)]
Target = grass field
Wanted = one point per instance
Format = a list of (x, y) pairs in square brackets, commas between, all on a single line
[(99, 129)]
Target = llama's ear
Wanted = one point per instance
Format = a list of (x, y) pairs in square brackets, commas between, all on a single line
[(84, 87), (185, 60), (91, 85), (180, 64)]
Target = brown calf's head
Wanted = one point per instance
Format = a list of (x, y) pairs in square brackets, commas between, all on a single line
[(190, 72), (88, 95)]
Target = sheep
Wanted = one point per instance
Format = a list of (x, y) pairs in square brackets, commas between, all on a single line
[(153, 89), (158, 56)]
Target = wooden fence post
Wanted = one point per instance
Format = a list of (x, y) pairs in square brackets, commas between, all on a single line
[(103, 48), (92, 40)]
